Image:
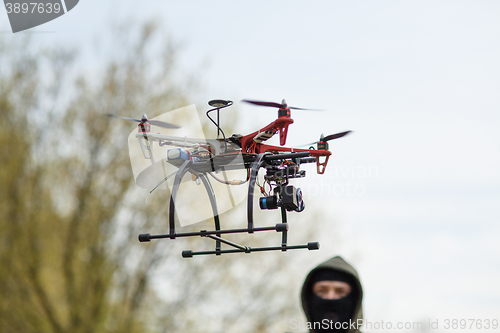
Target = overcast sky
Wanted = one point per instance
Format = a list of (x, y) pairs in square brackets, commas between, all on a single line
[(416, 187)]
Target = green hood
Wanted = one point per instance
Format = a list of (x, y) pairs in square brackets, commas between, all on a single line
[(337, 264)]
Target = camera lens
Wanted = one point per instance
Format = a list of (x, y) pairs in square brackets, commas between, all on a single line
[(300, 202), (269, 202)]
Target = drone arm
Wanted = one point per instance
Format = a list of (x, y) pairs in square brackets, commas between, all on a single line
[(321, 166), (283, 134), (146, 148), (317, 153), (178, 141), (281, 124)]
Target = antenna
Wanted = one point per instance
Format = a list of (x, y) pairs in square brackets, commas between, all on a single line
[(218, 104)]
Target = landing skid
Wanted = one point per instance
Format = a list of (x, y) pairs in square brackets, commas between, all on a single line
[(216, 234)]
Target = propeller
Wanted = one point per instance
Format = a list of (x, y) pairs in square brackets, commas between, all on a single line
[(328, 138), (283, 105), (144, 119), (334, 136)]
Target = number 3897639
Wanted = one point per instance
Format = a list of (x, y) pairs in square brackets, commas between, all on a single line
[(33, 7)]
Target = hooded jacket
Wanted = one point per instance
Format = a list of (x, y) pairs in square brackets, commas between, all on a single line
[(336, 264)]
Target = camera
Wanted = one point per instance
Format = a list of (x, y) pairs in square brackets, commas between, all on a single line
[(287, 197)]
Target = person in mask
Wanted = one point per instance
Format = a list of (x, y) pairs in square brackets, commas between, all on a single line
[(331, 297)]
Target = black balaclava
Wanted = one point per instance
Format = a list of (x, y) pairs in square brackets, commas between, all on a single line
[(337, 310)]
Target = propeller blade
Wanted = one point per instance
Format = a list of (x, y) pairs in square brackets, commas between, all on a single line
[(283, 105), (271, 104), (327, 138), (308, 144), (335, 136), (152, 122), (294, 108), (162, 124), (120, 117)]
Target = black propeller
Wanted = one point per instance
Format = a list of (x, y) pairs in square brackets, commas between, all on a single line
[(144, 119), (283, 105), (329, 137), (334, 136)]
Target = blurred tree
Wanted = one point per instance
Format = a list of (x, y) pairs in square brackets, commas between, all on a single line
[(65, 178), (70, 213)]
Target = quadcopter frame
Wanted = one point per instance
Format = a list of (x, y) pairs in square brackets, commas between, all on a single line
[(221, 152)]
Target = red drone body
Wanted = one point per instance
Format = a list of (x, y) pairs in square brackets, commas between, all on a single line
[(252, 143)]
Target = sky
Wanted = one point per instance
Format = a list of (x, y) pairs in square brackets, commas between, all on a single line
[(415, 189)]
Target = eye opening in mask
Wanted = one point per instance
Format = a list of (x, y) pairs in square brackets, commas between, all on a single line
[(328, 289)]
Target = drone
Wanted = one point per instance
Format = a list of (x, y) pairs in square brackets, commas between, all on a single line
[(204, 158)]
